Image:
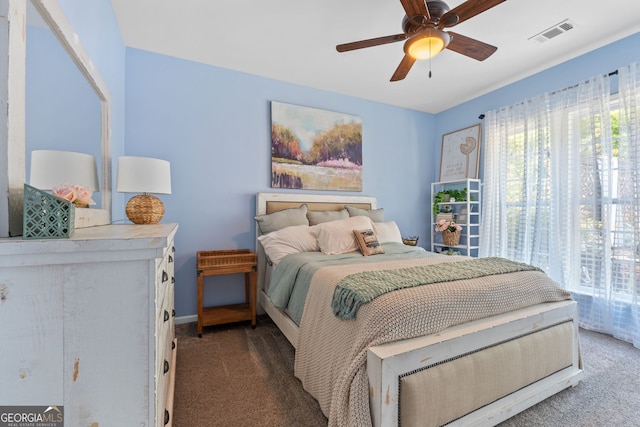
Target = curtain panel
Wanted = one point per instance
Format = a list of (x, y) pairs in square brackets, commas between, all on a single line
[(562, 192)]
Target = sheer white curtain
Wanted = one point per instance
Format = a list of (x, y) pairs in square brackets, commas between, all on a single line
[(561, 191), (627, 216)]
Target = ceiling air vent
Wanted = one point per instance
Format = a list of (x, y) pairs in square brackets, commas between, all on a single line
[(552, 32)]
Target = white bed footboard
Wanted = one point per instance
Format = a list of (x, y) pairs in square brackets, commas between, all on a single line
[(388, 363)]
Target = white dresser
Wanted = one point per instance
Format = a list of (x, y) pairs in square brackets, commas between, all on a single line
[(88, 323)]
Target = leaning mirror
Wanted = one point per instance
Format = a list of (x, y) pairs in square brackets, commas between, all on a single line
[(67, 103)]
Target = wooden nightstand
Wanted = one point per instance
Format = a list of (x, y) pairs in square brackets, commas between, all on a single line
[(211, 263)]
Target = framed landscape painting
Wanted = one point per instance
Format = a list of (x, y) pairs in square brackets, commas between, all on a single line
[(313, 149)]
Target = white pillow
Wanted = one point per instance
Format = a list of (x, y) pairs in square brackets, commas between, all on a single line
[(288, 240), (336, 237), (387, 232)]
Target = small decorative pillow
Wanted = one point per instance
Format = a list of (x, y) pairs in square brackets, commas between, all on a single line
[(368, 242), (288, 240), (376, 215), (387, 232), (282, 219), (336, 237), (318, 217)]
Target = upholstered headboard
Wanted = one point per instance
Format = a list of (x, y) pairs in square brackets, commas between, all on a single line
[(268, 203)]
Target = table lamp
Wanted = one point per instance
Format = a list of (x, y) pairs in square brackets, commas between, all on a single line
[(50, 168), (144, 175)]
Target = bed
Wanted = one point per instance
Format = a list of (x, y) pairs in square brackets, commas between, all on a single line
[(408, 366)]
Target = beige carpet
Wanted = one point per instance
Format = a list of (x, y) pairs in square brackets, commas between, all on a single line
[(237, 376)]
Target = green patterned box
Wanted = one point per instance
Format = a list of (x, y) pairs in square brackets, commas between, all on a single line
[(46, 216)]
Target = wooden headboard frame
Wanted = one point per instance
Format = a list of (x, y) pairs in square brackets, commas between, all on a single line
[(268, 203)]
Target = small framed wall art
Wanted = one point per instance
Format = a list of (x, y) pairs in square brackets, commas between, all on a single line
[(460, 155)]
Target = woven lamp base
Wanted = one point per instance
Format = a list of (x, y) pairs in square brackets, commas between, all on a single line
[(145, 209)]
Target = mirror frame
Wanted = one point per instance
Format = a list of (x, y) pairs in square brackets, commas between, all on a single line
[(12, 112), (56, 20)]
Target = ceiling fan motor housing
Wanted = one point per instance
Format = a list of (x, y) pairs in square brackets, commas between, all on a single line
[(436, 9)]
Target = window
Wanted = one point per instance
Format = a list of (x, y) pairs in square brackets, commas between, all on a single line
[(562, 192)]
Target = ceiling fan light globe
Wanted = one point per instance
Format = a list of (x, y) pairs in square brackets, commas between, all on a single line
[(425, 48), (428, 44)]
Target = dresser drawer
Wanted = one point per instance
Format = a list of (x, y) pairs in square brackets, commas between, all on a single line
[(164, 303), (165, 370), (165, 280), (168, 401), (164, 340), (165, 269), (165, 362)]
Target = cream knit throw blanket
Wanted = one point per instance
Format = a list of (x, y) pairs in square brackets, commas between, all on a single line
[(331, 353), (361, 288)]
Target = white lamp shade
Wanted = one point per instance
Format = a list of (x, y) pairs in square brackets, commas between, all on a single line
[(51, 168), (143, 175)]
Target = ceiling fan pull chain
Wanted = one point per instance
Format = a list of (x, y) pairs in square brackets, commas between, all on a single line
[(429, 67)]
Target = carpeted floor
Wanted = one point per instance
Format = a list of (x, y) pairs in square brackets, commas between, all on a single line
[(237, 376)]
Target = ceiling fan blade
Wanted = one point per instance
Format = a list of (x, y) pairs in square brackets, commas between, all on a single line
[(467, 10), (415, 7), (470, 47), (370, 42), (403, 69)]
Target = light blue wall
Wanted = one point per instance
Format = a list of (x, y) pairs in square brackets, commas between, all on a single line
[(213, 125), (603, 60)]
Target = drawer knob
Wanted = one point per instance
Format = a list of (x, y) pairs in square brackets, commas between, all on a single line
[(173, 279), (165, 276), (166, 417), (166, 315), (170, 258), (173, 312), (173, 345), (166, 367)]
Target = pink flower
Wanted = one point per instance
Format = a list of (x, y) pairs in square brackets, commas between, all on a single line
[(83, 195), (443, 225), (76, 194), (66, 192)]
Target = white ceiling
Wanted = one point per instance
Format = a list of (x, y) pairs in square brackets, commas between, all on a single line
[(294, 41)]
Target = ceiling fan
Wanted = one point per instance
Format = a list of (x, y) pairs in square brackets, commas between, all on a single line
[(423, 29)]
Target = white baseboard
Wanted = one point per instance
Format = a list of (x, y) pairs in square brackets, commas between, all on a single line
[(186, 319)]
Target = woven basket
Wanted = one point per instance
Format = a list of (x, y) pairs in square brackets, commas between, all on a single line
[(145, 209), (220, 259), (410, 241), (451, 238)]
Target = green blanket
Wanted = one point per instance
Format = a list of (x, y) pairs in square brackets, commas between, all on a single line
[(360, 288)]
